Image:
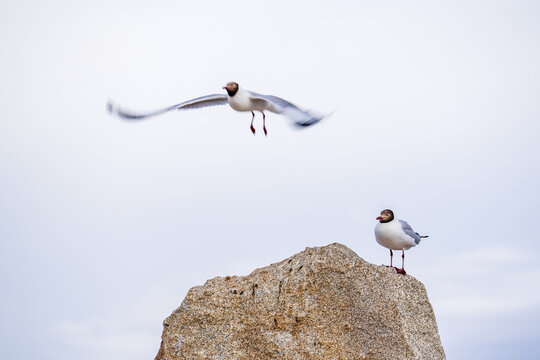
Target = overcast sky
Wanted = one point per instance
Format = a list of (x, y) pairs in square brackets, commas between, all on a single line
[(105, 224)]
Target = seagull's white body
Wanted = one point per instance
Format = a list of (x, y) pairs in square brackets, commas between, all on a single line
[(240, 100), (243, 100), (391, 235)]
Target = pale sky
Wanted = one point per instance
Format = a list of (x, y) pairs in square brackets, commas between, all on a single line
[(106, 224)]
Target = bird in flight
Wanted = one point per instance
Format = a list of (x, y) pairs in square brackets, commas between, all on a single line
[(396, 234), (240, 100)]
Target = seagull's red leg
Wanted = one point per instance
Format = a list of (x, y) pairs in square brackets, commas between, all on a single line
[(252, 118), (402, 270), (391, 255), (264, 124)]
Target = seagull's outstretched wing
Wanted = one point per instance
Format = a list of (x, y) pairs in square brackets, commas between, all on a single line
[(278, 105), (200, 102)]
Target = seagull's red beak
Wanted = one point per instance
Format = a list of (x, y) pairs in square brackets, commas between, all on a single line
[(226, 87), (379, 218)]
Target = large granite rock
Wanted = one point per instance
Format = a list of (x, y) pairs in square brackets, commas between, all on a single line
[(323, 303)]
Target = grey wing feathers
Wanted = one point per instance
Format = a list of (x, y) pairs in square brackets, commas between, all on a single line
[(409, 231), (200, 102), (300, 117), (203, 101)]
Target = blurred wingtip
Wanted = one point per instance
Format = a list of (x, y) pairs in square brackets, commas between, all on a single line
[(110, 106), (315, 119), (114, 109)]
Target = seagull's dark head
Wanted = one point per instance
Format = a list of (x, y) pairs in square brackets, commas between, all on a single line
[(232, 88), (387, 215)]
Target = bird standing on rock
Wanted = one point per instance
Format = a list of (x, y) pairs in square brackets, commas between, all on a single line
[(240, 100), (396, 234)]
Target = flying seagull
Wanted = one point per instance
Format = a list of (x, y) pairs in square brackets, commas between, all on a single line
[(396, 234), (240, 100)]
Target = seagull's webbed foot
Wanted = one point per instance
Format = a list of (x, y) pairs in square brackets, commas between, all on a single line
[(401, 271), (252, 129)]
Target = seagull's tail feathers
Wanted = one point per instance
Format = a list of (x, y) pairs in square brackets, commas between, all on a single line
[(419, 237)]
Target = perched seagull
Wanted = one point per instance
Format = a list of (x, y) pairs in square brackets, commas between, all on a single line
[(396, 234), (240, 100)]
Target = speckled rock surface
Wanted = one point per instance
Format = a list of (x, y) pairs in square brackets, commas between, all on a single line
[(322, 303)]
